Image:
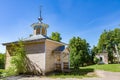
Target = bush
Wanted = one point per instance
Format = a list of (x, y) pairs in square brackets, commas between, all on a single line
[(9, 72), (96, 60), (19, 63), (1, 72), (18, 60), (2, 61)]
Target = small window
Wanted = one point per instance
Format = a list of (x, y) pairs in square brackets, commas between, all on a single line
[(37, 31)]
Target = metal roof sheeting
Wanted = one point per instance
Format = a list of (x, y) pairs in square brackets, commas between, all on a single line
[(35, 37)]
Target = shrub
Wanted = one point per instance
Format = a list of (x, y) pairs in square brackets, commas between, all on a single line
[(20, 64), (9, 72), (96, 60), (18, 60), (2, 61), (1, 72)]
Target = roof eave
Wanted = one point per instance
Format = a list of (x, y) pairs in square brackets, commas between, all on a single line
[(15, 42), (57, 42)]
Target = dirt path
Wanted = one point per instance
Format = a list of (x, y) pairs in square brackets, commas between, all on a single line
[(103, 75)]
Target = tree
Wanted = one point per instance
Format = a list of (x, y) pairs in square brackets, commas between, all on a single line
[(102, 41), (19, 57), (18, 60), (108, 40), (94, 51), (79, 52), (96, 60), (20, 63), (2, 61), (56, 36)]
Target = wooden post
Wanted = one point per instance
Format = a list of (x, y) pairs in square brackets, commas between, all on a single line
[(69, 60), (61, 61), (54, 61)]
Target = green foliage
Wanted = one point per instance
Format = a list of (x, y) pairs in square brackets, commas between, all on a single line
[(96, 60), (1, 72), (9, 72), (2, 61), (108, 40), (94, 51), (56, 36), (20, 63), (18, 60), (79, 52)]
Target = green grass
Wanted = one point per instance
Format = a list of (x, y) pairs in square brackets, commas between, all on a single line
[(80, 73), (105, 67), (83, 71)]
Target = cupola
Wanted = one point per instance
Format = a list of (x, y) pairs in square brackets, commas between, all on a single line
[(40, 27)]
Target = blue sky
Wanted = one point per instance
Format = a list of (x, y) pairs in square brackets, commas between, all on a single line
[(84, 18)]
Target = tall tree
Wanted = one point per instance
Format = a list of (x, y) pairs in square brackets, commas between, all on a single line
[(108, 40), (56, 36), (79, 52)]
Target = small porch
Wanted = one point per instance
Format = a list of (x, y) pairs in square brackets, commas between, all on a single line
[(62, 60), (64, 66)]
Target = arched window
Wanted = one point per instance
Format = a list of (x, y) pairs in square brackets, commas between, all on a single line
[(37, 31), (43, 31)]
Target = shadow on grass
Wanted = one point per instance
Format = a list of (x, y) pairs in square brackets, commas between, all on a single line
[(74, 73)]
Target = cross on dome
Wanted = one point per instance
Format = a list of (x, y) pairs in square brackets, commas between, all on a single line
[(40, 17)]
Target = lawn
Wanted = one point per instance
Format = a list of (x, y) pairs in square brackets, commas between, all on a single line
[(105, 67), (79, 73), (84, 71)]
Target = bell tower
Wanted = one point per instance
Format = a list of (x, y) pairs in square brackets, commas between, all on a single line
[(40, 27)]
